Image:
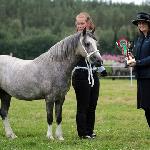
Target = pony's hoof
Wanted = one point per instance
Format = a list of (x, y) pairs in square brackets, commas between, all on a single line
[(11, 136), (60, 138), (50, 137)]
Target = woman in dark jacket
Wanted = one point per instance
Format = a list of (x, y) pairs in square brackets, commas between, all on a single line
[(141, 53), (87, 92)]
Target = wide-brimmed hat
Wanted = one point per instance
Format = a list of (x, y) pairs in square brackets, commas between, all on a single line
[(141, 17)]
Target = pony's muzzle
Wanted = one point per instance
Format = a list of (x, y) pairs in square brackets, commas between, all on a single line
[(96, 59)]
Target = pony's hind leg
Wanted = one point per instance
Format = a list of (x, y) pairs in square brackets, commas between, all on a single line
[(5, 103), (58, 114), (49, 109)]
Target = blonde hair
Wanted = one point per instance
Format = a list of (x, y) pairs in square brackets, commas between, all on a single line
[(88, 19)]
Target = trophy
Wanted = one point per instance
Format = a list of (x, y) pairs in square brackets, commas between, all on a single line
[(123, 44)]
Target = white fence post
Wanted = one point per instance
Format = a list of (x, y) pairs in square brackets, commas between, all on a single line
[(131, 75)]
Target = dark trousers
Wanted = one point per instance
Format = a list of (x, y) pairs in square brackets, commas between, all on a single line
[(147, 115), (86, 97)]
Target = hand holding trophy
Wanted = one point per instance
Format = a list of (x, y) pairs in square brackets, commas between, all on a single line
[(123, 44)]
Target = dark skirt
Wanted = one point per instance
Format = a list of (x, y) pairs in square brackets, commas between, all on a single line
[(143, 93)]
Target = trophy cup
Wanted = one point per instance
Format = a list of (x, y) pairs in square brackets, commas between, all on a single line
[(123, 44)]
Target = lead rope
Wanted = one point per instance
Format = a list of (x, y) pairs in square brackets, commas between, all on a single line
[(89, 68), (90, 73)]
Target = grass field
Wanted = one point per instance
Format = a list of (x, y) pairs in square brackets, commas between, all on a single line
[(119, 125)]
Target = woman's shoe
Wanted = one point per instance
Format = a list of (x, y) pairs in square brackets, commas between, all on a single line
[(85, 137), (93, 135)]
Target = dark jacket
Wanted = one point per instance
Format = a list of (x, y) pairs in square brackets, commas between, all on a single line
[(141, 52)]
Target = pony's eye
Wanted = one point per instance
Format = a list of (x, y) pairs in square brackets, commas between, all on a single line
[(87, 44)]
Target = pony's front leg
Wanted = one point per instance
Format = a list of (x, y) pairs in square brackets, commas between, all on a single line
[(58, 114), (49, 109)]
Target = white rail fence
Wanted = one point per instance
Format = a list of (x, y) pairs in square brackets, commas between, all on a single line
[(120, 71)]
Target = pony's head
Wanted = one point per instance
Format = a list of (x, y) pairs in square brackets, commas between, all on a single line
[(88, 47)]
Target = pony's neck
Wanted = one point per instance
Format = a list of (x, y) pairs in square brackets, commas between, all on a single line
[(61, 51)]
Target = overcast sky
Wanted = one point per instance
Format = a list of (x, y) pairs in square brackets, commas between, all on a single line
[(138, 2)]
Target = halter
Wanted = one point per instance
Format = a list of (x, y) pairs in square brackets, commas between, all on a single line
[(90, 54)]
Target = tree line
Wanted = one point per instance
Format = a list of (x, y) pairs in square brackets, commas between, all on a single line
[(30, 27)]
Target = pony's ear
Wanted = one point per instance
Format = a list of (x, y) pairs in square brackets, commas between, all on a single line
[(84, 31), (93, 30)]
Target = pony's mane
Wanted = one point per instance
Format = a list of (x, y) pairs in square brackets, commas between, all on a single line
[(61, 50)]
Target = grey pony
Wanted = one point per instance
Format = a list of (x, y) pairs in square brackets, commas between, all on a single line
[(46, 77)]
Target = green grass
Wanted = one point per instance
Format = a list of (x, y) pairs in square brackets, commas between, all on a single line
[(119, 125)]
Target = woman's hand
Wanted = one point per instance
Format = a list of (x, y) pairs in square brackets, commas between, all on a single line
[(130, 62)]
